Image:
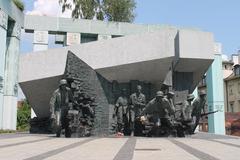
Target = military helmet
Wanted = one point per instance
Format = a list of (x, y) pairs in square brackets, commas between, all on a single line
[(159, 94), (190, 97), (171, 93), (63, 82), (202, 93)]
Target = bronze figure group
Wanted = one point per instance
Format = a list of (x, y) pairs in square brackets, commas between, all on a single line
[(160, 116), (72, 111)]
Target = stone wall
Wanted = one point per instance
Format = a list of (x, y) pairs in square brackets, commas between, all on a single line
[(104, 92), (90, 84)]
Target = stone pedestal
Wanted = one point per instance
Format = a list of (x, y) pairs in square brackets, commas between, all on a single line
[(215, 98), (3, 35), (11, 76)]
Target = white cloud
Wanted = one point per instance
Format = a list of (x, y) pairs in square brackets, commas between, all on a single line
[(48, 8)]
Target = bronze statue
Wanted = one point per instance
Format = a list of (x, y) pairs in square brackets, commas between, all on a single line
[(170, 96), (121, 112), (137, 104), (59, 105), (186, 120), (198, 108), (187, 108), (159, 110)]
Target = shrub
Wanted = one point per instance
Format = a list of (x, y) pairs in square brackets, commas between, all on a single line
[(23, 116)]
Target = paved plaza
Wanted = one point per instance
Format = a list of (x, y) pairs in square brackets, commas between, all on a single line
[(200, 146)]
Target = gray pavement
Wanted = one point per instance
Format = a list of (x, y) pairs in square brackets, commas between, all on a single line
[(201, 146)]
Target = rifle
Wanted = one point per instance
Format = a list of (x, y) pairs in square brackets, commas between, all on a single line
[(205, 114)]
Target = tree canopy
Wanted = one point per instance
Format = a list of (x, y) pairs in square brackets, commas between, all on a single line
[(110, 10)]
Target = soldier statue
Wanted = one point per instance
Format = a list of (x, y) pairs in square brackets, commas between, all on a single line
[(121, 112), (159, 108), (187, 108), (59, 106), (186, 116), (170, 96), (198, 108), (137, 103)]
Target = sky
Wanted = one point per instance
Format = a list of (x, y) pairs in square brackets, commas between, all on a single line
[(221, 17)]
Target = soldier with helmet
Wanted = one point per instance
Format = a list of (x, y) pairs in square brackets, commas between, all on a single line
[(59, 106), (184, 121), (170, 96), (187, 108), (159, 109), (121, 112), (199, 108), (137, 104)]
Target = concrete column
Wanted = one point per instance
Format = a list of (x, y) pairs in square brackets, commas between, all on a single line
[(11, 76), (3, 39), (215, 98), (40, 40), (104, 37)]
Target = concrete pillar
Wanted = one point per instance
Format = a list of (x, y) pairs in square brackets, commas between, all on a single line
[(40, 40), (3, 39), (215, 98), (104, 37), (11, 76)]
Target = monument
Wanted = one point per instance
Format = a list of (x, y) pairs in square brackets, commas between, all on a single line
[(165, 58), (79, 104)]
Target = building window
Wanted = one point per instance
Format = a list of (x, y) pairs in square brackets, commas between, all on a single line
[(85, 38)]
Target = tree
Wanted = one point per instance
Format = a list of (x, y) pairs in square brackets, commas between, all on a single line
[(85, 9), (119, 10), (110, 10)]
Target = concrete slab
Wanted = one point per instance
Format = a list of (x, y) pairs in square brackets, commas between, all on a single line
[(199, 146)]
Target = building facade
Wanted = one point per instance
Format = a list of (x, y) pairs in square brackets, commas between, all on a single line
[(232, 84), (11, 22)]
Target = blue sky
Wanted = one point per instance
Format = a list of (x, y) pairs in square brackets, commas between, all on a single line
[(221, 17)]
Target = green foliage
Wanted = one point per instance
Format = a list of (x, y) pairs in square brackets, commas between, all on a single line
[(84, 9), (7, 131), (19, 4), (119, 10), (110, 10), (23, 116)]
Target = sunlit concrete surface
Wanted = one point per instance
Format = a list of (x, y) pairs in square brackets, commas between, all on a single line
[(201, 146)]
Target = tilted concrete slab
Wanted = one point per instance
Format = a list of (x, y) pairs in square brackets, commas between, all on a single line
[(146, 57), (38, 93), (101, 54)]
